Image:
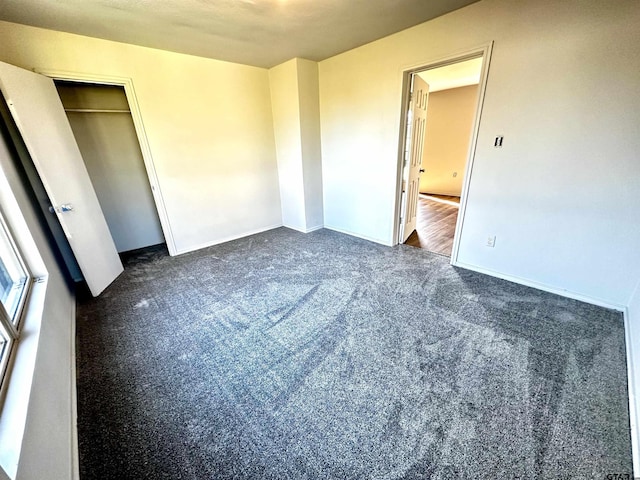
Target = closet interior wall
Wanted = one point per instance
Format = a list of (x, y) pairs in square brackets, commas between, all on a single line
[(104, 130)]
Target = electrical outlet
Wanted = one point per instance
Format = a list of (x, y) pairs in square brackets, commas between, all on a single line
[(491, 241)]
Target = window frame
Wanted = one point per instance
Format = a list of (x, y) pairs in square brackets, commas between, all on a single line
[(10, 325)]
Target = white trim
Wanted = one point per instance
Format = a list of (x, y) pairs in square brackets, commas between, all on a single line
[(482, 87), (633, 412), (227, 239), (15, 405), (313, 229), (136, 115), (405, 95), (16, 390), (357, 235), (75, 459), (541, 286), (450, 194), (450, 58), (304, 230), (483, 51)]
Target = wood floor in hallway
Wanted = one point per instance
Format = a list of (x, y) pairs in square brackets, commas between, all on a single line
[(436, 224)]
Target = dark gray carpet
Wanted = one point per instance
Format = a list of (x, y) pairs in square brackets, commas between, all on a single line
[(284, 355)]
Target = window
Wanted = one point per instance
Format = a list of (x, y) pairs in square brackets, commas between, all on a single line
[(14, 283)]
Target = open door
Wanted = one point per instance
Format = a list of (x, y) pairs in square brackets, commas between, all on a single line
[(37, 110), (417, 121)]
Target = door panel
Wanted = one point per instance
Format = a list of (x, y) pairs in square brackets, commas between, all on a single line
[(40, 117), (68, 259), (418, 120)]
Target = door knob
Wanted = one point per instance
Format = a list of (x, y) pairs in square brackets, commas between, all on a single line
[(65, 207), (422, 170)]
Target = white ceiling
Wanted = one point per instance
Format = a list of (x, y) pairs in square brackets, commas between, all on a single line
[(456, 75), (255, 32)]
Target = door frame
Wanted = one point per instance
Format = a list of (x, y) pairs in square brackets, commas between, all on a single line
[(136, 115), (483, 51)]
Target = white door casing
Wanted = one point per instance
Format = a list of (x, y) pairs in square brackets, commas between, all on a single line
[(132, 100), (417, 119), (37, 110)]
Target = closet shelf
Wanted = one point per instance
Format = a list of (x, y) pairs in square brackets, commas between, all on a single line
[(96, 110)]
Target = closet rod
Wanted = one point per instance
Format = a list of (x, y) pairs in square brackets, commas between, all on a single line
[(95, 110)]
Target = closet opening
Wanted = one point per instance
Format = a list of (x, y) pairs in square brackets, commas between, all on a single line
[(104, 129)]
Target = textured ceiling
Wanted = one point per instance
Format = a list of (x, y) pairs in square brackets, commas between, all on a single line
[(255, 32)]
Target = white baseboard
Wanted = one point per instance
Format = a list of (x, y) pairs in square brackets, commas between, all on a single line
[(304, 230), (441, 200), (457, 194), (357, 235), (313, 229), (633, 398), (75, 456), (541, 286), (227, 239)]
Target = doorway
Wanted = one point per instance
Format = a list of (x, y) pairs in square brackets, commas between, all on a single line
[(103, 127), (443, 153)]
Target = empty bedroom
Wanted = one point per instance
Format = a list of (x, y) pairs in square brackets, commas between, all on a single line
[(208, 221)]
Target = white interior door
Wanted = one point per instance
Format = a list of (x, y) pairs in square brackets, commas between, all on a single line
[(417, 119), (40, 117)]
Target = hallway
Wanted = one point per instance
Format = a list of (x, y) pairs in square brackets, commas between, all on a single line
[(436, 223)]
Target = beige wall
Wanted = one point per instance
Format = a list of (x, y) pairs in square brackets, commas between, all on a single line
[(208, 123), (286, 122), (310, 137), (560, 195), (296, 122), (210, 131), (38, 407), (450, 116), (633, 353)]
